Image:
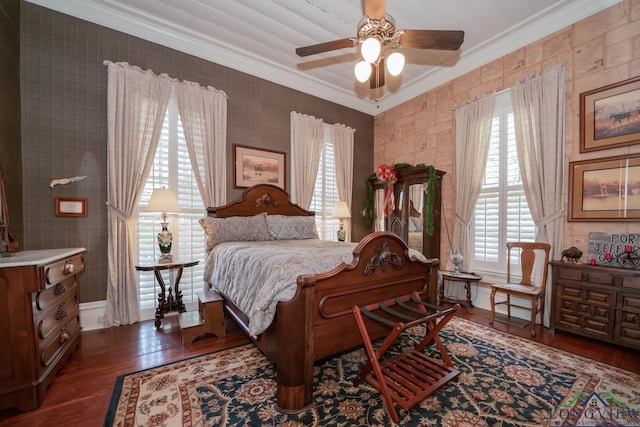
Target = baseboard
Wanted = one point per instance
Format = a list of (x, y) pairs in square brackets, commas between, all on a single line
[(481, 298), (92, 315)]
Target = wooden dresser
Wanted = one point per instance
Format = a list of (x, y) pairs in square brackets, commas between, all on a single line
[(597, 302), (39, 322)]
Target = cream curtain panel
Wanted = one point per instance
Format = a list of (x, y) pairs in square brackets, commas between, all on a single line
[(539, 111), (203, 111), (307, 134), (473, 133), (343, 145), (136, 106)]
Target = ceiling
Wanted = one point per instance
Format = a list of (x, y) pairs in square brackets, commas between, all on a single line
[(259, 37)]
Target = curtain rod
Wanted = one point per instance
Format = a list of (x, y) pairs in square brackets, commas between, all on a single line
[(500, 92)]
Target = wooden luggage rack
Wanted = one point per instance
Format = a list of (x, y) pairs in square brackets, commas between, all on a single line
[(408, 378)]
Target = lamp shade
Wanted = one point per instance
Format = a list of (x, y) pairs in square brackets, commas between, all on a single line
[(341, 210), (362, 71), (370, 50), (163, 200), (395, 63)]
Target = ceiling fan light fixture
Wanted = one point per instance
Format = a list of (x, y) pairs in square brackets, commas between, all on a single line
[(370, 49), (395, 63), (377, 37), (362, 71)]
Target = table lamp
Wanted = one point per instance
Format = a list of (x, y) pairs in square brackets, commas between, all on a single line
[(164, 200), (341, 211)]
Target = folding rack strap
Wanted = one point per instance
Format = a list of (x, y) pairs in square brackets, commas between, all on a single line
[(411, 376)]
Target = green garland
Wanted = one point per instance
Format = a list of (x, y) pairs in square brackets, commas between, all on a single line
[(431, 197), (431, 194)]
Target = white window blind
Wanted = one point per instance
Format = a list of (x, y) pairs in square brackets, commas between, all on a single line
[(502, 213), (171, 169), (325, 194)]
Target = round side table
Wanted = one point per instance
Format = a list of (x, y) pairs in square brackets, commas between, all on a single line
[(172, 302), (466, 278)]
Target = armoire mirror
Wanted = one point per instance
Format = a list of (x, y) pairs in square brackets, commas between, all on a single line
[(407, 218)]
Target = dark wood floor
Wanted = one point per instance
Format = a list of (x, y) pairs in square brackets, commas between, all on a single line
[(81, 393)]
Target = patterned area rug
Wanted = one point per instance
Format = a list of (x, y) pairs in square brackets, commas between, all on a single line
[(505, 381)]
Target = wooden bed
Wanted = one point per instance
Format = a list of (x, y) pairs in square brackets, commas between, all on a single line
[(318, 322)]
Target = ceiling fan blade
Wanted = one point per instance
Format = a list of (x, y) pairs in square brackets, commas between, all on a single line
[(377, 75), (326, 46), (375, 9), (432, 39)]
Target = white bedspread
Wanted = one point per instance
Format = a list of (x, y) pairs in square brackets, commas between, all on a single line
[(258, 275)]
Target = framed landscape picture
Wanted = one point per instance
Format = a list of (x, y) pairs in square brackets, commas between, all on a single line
[(258, 166), (610, 116), (605, 189)]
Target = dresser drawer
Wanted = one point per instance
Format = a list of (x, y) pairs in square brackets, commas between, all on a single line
[(56, 272), (59, 314), (587, 295), (49, 297), (576, 275), (58, 343), (631, 282), (629, 302)]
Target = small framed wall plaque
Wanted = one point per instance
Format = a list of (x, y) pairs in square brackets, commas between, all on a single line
[(71, 207)]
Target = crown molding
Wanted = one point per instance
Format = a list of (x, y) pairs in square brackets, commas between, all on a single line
[(541, 25), (183, 39)]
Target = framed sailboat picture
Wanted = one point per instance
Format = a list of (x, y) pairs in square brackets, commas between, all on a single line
[(606, 189)]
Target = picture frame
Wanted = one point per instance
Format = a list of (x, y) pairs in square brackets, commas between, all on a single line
[(258, 166), (605, 189), (610, 116), (71, 206)]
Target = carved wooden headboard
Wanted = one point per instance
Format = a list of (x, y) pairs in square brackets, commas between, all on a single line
[(257, 199)]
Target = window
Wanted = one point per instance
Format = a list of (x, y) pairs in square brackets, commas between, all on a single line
[(502, 213), (171, 169), (325, 194)]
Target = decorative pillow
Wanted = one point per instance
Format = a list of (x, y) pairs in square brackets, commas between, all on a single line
[(282, 227), (234, 229)]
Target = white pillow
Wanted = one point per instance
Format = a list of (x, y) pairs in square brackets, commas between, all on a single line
[(234, 229), (282, 227)]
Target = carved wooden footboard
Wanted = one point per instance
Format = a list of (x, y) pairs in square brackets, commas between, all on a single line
[(318, 321)]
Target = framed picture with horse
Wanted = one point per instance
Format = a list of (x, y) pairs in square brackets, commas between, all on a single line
[(610, 116)]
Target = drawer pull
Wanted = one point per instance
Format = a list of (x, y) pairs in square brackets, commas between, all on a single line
[(62, 313), (60, 289), (65, 334), (68, 268), (584, 276)]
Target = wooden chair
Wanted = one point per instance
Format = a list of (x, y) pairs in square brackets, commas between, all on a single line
[(525, 288)]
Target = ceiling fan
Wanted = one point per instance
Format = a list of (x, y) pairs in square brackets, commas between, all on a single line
[(378, 37)]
